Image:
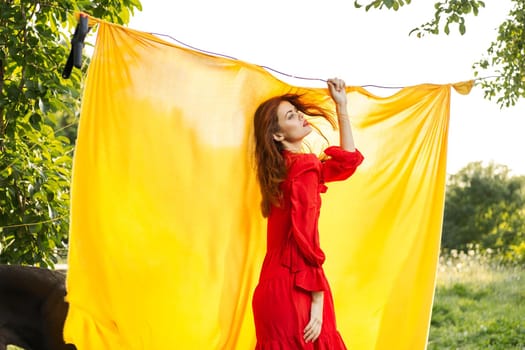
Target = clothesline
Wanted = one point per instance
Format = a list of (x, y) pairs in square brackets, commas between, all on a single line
[(287, 74)]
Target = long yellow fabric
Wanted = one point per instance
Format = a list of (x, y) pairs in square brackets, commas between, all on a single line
[(166, 235)]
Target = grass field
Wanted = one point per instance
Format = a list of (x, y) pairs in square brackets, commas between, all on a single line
[(479, 304)]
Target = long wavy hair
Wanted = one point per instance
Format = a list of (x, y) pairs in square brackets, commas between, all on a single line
[(269, 159)]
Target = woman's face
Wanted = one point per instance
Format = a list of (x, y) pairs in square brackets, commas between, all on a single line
[(293, 127)]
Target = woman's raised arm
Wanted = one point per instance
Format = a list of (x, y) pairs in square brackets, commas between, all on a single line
[(337, 90)]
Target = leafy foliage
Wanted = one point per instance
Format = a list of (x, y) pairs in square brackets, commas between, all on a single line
[(389, 4), (485, 206), (504, 55), (35, 156), (449, 12)]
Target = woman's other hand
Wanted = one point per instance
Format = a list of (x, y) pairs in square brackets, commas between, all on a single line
[(313, 328)]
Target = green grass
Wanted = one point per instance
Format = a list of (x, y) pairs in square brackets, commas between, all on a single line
[(479, 304)]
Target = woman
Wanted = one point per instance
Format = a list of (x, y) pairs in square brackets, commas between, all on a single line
[(292, 304)]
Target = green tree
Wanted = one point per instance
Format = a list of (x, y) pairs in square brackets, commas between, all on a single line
[(35, 158), (485, 206), (504, 56)]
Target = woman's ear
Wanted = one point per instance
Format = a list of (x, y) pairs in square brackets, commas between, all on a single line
[(278, 137)]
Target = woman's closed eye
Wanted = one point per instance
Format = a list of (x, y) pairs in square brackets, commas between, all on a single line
[(291, 114)]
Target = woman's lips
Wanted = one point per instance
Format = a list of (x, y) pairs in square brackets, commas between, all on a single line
[(306, 123)]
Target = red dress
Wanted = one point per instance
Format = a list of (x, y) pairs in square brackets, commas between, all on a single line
[(292, 267)]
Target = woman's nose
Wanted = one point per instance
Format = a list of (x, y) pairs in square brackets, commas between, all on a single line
[(301, 115)]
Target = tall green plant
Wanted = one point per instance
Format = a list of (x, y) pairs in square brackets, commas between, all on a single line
[(35, 160)]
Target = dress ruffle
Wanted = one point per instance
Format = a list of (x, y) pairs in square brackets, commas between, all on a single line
[(307, 277), (311, 279), (337, 153), (341, 165), (330, 341)]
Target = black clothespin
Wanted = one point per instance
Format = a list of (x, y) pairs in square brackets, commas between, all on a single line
[(77, 44)]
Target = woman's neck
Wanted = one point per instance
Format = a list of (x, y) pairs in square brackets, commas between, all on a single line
[(294, 147)]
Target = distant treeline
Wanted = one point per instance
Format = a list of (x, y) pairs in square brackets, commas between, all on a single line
[(485, 206)]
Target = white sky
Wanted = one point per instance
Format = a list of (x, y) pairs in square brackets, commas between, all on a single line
[(330, 38)]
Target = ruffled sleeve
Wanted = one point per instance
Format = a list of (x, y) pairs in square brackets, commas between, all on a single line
[(341, 164), (303, 255)]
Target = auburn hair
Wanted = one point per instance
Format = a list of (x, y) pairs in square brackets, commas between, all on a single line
[(269, 159)]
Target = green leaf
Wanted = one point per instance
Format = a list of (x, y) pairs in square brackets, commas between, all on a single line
[(462, 28), (137, 4), (389, 3), (466, 8)]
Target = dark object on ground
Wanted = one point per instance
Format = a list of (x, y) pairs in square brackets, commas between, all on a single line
[(32, 308)]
